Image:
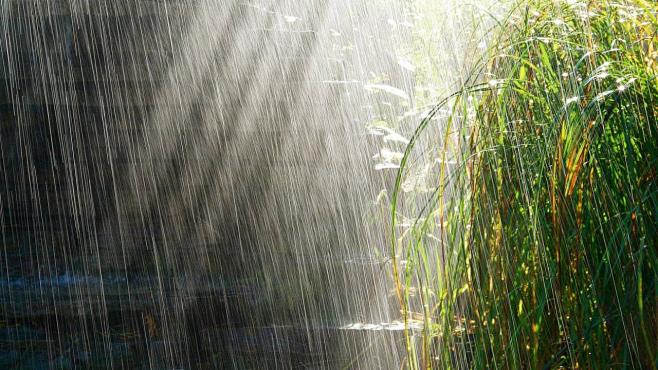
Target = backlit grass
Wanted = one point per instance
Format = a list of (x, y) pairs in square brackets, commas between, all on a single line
[(538, 247)]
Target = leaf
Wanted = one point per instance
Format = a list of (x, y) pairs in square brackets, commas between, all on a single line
[(407, 65), (396, 137), (523, 73), (520, 309), (388, 89), (382, 195), (291, 18), (384, 166), (392, 135), (388, 155)]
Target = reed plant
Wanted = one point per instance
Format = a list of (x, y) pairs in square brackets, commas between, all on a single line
[(538, 246)]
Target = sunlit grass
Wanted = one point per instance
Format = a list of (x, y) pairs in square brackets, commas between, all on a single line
[(538, 246)]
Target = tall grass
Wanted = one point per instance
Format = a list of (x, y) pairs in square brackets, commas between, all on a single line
[(539, 246)]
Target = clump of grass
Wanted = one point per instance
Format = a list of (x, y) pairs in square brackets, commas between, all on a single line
[(539, 247)]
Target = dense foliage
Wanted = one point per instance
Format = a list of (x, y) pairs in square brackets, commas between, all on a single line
[(544, 233)]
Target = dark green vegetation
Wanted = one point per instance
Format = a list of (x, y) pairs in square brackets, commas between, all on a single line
[(547, 193)]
